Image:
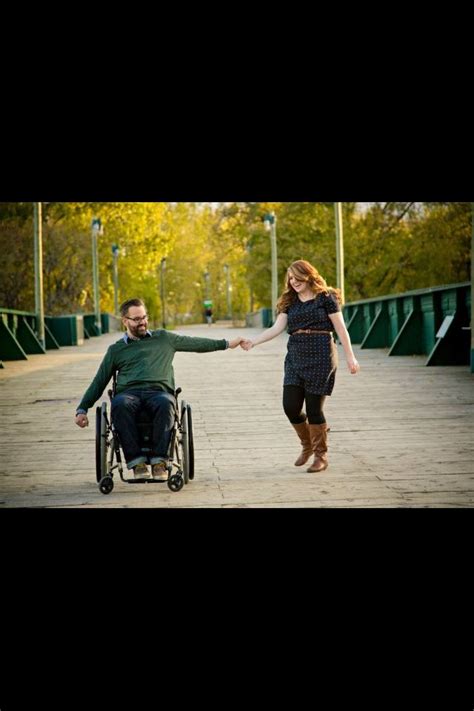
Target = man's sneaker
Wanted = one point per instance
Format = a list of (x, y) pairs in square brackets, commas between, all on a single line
[(160, 473), (141, 471)]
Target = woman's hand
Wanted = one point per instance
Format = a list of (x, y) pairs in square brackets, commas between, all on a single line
[(247, 344), (353, 365)]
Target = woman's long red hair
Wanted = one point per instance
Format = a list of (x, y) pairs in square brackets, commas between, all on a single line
[(303, 270)]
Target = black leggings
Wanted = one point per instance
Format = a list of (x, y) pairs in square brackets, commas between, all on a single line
[(293, 398)]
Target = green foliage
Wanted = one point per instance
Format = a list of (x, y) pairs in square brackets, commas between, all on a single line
[(16, 262), (389, 248), (397, 247)]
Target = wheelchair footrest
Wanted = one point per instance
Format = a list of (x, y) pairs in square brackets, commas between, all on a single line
[(145, 481)]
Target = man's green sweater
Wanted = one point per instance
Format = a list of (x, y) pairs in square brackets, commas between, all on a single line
[(145, 363)]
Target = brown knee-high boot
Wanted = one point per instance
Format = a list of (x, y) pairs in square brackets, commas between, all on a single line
[(302, 430), (319, 441)]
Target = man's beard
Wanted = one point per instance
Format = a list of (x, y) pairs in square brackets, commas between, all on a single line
[(138, 331)]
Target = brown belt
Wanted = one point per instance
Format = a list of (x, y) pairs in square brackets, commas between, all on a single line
[(309, 330)]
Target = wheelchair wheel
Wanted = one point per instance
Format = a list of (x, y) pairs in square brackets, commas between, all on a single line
[(190, 443), (106, 485), (175, 482), (100, 442), (185, 441)]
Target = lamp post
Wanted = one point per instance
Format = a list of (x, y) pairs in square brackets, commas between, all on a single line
[(339, 248), (116, 252), (96, 230), (162, 291), (249, 250), (270, 225), (38, 254), (228, 290)]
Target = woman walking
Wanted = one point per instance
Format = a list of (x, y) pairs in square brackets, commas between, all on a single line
[(311, 312)]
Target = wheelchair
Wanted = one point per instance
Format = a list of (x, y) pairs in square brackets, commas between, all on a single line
[(108, 455)]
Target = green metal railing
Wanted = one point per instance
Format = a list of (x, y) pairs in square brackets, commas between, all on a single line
[(259, 319), (435, 322), (19, 332), (18, 335)]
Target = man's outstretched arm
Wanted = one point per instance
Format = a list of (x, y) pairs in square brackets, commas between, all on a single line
[(195, 344)]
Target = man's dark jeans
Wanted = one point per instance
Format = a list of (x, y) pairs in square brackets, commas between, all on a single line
[(160, 405)]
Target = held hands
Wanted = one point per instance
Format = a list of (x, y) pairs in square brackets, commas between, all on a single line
[(244, 343), (82, 421), (235, 342)]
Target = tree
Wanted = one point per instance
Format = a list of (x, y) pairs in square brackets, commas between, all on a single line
[(389, 248)]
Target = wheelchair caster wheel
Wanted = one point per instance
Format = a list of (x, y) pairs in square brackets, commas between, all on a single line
[(175, 482), (106, 485)]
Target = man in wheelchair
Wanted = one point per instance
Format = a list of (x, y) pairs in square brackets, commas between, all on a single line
[(142, 360)]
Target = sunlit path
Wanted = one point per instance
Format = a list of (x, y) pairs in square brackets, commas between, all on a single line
[(401, 433)]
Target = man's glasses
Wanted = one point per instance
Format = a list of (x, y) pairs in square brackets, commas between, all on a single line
[(138, 319)]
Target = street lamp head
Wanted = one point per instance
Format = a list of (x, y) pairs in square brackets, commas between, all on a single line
[(268, 220), (97, 226)]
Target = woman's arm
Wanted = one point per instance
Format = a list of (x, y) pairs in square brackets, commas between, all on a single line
[(278, 327), (343, 334)]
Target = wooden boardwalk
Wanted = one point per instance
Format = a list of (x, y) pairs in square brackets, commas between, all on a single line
[(401, 433)]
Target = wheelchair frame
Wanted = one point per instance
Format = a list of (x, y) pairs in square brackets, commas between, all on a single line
[(180, 452)]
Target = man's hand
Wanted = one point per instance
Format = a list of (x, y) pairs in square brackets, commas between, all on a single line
[(82, 421), (246, 344), (235, 342)]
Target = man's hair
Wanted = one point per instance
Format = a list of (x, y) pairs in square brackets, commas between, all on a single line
[(126, 305)]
